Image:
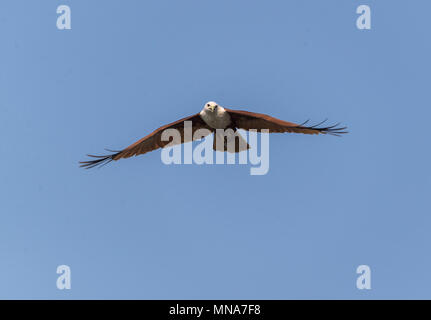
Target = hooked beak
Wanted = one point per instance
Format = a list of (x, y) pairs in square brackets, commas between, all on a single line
[(211, 108)]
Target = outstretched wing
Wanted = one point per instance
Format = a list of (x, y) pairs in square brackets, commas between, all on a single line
[(250, 120), (149, 143)]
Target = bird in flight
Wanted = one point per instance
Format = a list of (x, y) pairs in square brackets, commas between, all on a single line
[(213, 117)]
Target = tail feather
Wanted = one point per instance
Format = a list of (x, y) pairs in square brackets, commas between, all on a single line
[(232, 143)]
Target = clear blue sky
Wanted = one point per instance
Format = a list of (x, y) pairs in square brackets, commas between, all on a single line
[(140, 229)]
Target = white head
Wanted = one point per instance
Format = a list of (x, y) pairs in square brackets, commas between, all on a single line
[(211, 106)]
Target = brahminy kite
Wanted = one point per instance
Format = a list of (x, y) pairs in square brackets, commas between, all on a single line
[(213, 117)]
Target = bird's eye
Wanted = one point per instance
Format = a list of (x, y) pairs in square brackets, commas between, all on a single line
[(208, 105)]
